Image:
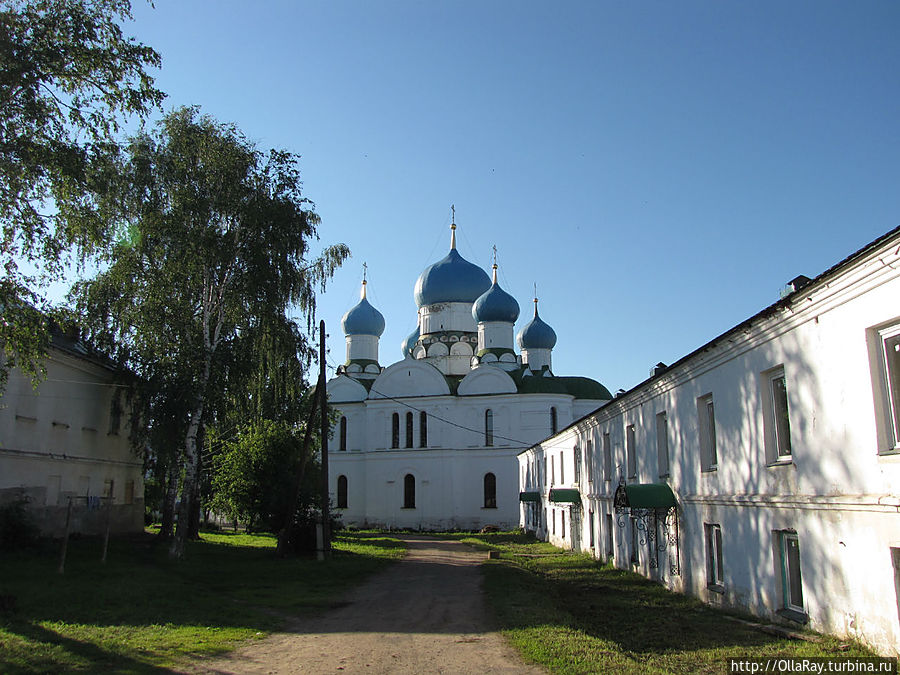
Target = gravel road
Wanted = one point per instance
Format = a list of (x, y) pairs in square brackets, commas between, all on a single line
[(424, 614)]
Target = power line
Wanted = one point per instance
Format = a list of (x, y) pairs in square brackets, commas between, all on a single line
[(450, 422)]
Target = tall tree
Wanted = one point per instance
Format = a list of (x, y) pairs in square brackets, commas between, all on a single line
[(67, 76), (215, 243)]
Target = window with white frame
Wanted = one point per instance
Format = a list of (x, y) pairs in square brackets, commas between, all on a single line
[(630, 451), (706, 413), (607, 458), (576, 455), (884, 347), (662, 443), (776, 419), (715, 570), (789, 563)]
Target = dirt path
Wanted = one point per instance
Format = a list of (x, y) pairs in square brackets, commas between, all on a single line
[(425, 614)]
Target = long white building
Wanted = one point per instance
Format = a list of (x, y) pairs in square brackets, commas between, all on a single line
[(759, 472), (430, 442)]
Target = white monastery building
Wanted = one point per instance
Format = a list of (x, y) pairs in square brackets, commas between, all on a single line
[(430, 442), (760, 472), (64, 447)]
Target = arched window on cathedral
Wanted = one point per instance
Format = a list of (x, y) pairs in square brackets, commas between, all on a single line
[(488, 427), (395, 430), (409, 430), (553, 421), (409, 491), (342, 492), (343, 434), (490, 491), (423, 429)]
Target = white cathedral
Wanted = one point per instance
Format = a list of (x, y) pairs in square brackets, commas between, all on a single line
[(430, 442)]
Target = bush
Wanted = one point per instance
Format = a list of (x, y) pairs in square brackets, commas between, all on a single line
[(17, 528)]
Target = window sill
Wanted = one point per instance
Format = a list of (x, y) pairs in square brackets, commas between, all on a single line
[(889, 452), (491, 508), (407, 508), (716, 588), (781, 461), (709, 469), (793, 615)]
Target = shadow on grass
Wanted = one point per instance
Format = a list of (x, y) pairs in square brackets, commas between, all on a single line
[(576, 615), (94, 658), (144, 610)]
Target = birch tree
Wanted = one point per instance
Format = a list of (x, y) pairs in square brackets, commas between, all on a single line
[(214, 243)]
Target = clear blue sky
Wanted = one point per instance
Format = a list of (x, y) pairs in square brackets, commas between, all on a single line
[(659, 169)]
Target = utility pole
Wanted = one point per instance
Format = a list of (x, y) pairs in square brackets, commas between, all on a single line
[(323, 402)]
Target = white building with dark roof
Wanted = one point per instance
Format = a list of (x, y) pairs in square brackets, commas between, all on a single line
[(760, 472), (66, 442), (430, 442)]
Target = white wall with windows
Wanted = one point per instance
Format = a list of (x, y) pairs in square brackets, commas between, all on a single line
[(67, 441), (781, 447), (377, 441)]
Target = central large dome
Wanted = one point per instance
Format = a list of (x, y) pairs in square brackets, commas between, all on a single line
[(451, 279)]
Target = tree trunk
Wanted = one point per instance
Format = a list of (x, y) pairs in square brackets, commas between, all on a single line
[(167, 530), (188, 490), (194, 520)]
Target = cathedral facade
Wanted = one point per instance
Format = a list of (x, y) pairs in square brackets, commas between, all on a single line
[(430, 442)]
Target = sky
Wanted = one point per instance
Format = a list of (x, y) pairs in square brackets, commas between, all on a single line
[(659, 170)]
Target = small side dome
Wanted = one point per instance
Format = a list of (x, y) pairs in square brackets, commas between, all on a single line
[(363, 319), (407, 346), (537, 334), (496, 305)]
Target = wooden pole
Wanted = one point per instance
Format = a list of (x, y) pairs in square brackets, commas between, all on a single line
[(106, 534), (65, 541), (323, 402)]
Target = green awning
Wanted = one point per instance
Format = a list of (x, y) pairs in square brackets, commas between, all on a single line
[(649, 496), (565, 495), (529, 496)]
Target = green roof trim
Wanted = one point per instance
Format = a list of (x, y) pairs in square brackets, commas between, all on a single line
[(650, 496), (565, 495), (529, 496), (579, 387)]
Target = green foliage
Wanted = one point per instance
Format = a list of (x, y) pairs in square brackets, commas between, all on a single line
[(211, 256), (67, 75), (251, 477), (132, 614), (17, 529)]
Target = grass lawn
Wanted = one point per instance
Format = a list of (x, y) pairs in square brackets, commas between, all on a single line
[(573, 614), (142, 613)]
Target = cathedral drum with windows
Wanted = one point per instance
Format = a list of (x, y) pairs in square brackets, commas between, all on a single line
[(430, 442)]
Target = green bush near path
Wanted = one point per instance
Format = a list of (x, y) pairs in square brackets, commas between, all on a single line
[(142, 613), (572, 614)]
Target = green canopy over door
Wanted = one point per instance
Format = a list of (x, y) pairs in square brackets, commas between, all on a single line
[(565, 495)]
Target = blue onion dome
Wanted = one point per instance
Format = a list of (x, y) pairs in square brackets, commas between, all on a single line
[(407, 346), (496, 305), (452, 279), (363, 319), (537, 334)]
